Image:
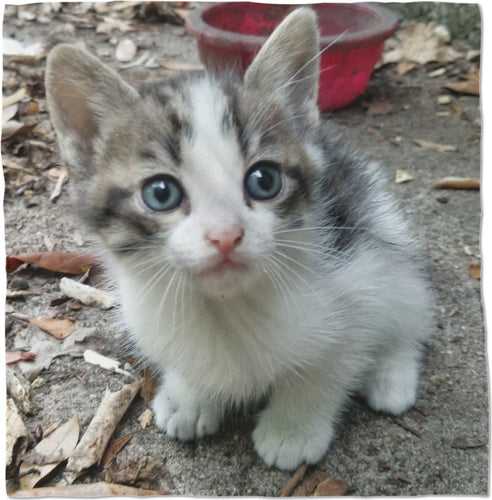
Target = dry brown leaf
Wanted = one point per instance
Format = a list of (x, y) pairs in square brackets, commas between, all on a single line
[(179, 65), (331, 488), (379, 107), (61, 179), (100, 489), (140, 472), (13, 128), (14, 356), (424, 43), (403, 67), (61, 262), (31, 108), (466, 443), (475, 271), (437, 72), (434, 146), (457, 183), (55, 448), (9, 112), (114, 448), (16, 97), (19, 388), (444, 100), (54, 173), (47, 347), (145, 419), (466, 87), (91, 448), (182, 13), (8, 163), (17, 436), (59, 328), (307, 487), (110, 24), (401, 176), (299, 474), (149, 386)]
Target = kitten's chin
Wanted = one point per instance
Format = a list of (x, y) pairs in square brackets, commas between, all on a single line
[(225, 279)]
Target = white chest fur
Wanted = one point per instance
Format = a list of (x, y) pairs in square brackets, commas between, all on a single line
[(233, 348)]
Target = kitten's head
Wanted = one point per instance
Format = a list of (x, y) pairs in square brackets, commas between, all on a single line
[(198, 174)]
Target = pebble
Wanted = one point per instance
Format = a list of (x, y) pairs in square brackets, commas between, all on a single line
[(126, 50), (19, 284), (38, 382)]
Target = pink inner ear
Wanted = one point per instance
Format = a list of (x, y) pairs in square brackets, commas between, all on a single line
[(75, 112)]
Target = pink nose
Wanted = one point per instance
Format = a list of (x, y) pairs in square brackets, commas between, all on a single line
[(225, 240)]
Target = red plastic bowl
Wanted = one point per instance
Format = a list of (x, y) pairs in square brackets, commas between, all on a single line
[(230, 34)]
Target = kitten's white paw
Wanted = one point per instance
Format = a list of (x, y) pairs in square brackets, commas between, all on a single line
[(182, 415), (285, 444), (393, 387)]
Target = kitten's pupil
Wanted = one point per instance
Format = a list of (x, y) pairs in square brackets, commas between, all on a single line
[(263, 181), (162, 193)]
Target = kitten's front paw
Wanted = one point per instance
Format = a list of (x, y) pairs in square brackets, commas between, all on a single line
[(182, 415), (392, 387), (285, 444)]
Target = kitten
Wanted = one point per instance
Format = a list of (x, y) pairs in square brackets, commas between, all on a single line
[(253, 255)]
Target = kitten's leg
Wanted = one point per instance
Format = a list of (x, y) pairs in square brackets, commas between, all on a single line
[(182, 412), (298, 424), (392, 386)]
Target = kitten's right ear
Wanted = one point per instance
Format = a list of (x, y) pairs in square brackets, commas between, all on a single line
[(82, 93), (288, 63)]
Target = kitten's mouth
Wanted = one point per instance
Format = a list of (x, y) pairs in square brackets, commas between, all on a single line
[(226, 265)]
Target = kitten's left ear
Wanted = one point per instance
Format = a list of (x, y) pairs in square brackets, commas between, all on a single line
[(288, 63), (83, 96)]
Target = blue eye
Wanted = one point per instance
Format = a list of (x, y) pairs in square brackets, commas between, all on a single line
[(162, 193), (263, 181)]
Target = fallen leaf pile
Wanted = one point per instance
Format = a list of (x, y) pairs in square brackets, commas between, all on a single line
[(420, 43), (318, 484), (63, 447)]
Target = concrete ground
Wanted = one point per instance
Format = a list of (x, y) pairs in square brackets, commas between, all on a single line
[(440, 446)]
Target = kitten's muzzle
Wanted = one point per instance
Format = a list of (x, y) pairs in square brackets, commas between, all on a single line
[(225, 241)]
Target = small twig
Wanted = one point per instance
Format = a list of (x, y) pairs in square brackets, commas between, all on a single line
[(402, 424), (287, 490)]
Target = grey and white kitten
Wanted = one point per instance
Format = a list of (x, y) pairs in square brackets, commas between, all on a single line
[(253, 255)]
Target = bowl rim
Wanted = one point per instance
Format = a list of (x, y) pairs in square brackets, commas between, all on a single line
[(385, 26)]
